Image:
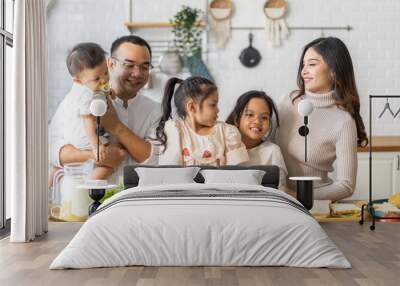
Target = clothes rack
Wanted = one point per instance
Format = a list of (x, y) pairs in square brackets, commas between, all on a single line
[(369, 206)]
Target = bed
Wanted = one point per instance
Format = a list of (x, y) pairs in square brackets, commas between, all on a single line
[(201, 224)]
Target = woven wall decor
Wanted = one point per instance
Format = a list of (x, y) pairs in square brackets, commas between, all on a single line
[(220, 12), (275, 24)]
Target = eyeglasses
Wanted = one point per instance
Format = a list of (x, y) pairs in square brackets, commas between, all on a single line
[(130, 66)]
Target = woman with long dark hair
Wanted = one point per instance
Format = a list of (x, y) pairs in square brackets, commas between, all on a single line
[(326, 78)]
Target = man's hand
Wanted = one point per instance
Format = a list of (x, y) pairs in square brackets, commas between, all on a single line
[(110, 120), (138, 148), (111, 155)]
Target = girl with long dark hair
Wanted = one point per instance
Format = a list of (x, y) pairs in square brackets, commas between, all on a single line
[(254, 115), (192, 135), (326, 78)]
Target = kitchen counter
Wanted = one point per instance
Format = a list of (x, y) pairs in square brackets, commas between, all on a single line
[(383, 144)]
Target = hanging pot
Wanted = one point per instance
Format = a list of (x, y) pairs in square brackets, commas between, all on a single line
[(250, 57)]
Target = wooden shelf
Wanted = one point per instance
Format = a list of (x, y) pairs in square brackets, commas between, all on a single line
[(140, 25), (383, 144)]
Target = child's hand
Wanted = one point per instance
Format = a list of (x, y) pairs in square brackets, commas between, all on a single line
[(222, 161), (111, 155)]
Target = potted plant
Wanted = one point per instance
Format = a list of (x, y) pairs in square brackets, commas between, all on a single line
[(187, 35), (187, 39)]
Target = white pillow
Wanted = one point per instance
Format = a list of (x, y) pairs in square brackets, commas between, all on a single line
[(249, 177), (163, 176)]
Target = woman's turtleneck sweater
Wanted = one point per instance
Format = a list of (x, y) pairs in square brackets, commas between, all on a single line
[(332, 136)]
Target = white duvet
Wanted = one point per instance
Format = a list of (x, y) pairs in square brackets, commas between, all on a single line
[(207, 230)]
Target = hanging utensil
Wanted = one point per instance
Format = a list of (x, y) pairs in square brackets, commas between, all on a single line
[(250, 57)]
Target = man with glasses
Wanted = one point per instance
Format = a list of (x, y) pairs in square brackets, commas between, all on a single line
[(131, 118)]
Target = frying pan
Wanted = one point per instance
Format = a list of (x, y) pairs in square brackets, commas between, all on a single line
[(250, 57)]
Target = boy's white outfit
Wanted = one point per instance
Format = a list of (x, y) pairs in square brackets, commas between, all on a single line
[(77, 103), (268, 153)]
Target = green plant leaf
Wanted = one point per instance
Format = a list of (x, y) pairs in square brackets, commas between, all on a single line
[(187, 37)]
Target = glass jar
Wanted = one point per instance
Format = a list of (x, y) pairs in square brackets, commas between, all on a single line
[(67, 202)]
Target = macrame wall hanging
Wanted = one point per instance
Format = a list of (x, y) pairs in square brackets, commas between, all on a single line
[(275, 25), (220, 12)]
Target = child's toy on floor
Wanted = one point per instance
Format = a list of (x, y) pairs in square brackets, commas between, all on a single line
[(395, 199), (344, 210)]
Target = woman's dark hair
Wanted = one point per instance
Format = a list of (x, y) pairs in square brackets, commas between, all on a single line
[(337, 57), (244, 99), (195, 87)]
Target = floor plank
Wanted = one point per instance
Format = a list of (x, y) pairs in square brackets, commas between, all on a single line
[(374, 255)]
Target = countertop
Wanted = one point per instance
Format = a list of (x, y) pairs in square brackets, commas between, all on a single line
[(383, 144)]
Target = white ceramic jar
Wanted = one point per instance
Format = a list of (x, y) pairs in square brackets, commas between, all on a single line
[(170, 62)]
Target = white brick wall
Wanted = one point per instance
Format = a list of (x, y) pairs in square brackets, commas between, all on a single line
[(374, 44)]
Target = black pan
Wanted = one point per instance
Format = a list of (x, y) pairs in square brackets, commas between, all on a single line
[(250, 57)]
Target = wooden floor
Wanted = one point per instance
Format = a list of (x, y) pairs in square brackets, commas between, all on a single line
[(374, 255)]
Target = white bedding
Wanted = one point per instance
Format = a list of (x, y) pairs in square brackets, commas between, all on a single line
[(189, 230)]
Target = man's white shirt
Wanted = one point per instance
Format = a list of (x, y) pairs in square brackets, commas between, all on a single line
[(141, 116)]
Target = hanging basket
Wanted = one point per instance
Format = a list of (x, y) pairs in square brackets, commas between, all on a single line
[(220, 10), (275, 25), (275, 9)]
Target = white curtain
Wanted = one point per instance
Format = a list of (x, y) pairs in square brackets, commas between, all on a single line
[(26, 117)]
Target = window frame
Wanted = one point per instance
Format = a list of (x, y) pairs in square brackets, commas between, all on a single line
[(6, 39)]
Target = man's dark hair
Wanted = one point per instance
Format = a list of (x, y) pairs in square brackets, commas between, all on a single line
[(129, 39), (84, 56)]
